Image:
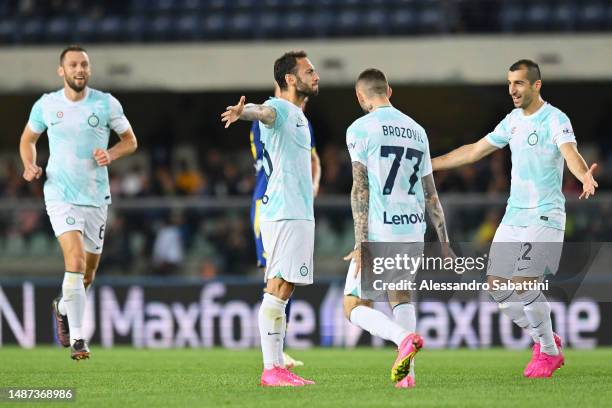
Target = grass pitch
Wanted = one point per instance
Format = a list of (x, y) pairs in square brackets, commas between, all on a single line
[(126, 377)]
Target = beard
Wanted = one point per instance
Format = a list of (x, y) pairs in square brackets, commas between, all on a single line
[(304, 90), (74, 86)]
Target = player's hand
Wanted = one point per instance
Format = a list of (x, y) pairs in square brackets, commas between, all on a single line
[(102, 157), (448, 253), (31, 172), (355, 256), (232, 113), (588, 183)]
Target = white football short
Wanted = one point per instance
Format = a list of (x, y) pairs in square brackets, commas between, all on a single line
[(532, 251), (90, 221), (289, 246)]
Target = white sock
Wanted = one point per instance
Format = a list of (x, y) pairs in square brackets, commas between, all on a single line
[(74, 298), (378, 324), (280, 358), (512, 306), (537, 310), (405, 316), (61, 306), (271, 329)]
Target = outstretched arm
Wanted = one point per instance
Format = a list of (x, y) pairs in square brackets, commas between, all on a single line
[(578, 167), (27, 151), (251, 112), (360, 204), (463, 155)]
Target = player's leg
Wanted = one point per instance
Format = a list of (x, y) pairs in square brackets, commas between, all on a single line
[(503, 255), (289, 245), (541, 253), (74, 296), (404, 315), (360, 312), (92, 261)]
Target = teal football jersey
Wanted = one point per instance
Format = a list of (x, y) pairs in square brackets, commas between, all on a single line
[(395, 150), (75, 129), (286, 161), (536, 197)]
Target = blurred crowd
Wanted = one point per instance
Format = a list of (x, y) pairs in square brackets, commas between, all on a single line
[(211, 242)]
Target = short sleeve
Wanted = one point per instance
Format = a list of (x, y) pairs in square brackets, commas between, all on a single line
[(500, 136), (36, 121), (561, 130), (282, 112), (356, 141), (118, 122)]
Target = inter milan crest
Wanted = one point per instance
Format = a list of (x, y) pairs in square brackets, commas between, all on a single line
[(93, 120), (59, 114), (532, 139), (304, 270)]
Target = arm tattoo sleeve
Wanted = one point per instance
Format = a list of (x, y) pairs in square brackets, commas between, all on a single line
[(360, 202), (254, 112), (434, 207)]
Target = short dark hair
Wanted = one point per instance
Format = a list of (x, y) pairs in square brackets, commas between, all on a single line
[(286, 65), (72, 47), (533, 70), (375, 81)]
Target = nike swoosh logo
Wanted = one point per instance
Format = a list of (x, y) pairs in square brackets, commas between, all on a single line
[(298, 125), (270, 334), (522, 269), (55, 123)]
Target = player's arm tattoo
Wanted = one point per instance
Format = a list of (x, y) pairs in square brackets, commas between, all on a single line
[(434, 207), (360, 202), (252, 112)]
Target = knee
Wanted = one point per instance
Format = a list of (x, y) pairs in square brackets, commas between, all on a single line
[(351, 302), (280, 288)]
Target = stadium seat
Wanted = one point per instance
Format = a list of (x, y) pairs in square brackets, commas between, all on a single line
[(375, 22), (160, 29), (134, 28), (510, 16), (110, 29), (348, 23), (188, 27), (402, 21), (563, 17), (85, 30), (58, 30), (8, 31), (268, 25), (431, 20), (32, 30), (320, 22), (295, 25), (214, 26), (591, 16), (538, 17), (240, 26)]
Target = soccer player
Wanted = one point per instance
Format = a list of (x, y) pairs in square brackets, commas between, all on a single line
[(261, 183), (528, 242), (286, 214), (78, 121), (391, 176)]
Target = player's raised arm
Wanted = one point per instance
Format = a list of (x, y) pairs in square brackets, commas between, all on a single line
[(579, 168), (250, 112), (463, 155), (360, 204), (27, 151)]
